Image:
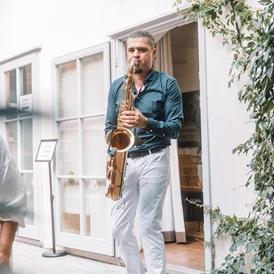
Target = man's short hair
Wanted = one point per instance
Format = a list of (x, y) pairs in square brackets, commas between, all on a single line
[(142, 33)]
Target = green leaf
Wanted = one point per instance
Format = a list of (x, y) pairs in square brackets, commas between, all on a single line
[(269, 73)]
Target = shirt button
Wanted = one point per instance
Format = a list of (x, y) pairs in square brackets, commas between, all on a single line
[(151, 130), (164, 135)]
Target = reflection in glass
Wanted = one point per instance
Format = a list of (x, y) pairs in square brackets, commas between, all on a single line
[(96, 209), (28, 180), (93, 83), (70, 206), (94, 146), (27, 150), (68, 89), (11, 91), (26, 80), (68, 148), (12, 139)]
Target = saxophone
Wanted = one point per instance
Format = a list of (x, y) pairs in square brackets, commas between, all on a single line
[(120, 140)]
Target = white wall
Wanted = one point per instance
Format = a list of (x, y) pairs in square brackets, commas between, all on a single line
[(123, 13), (229, 126), (69, 25)]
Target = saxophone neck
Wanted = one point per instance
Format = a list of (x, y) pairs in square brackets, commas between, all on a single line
[(131, 64)]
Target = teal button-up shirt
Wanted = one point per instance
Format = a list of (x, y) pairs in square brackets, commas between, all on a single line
[(160, 101)]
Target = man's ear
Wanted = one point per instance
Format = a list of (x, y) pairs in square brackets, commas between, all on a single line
[(154, 53)]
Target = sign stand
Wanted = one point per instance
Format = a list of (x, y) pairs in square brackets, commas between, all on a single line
[(45, 154)]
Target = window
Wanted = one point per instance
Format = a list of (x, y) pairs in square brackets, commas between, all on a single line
[(82, 85)]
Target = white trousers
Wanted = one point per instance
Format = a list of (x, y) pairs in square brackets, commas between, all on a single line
[(145, 186)]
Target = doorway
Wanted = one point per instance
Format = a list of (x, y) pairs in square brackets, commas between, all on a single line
[(188, 256), (185, 59)]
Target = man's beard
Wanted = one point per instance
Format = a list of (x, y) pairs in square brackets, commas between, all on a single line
[(137, 69)]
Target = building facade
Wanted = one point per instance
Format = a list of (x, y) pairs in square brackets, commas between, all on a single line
[(57, 61)]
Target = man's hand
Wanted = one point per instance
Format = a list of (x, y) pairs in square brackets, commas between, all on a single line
[(133, 119)]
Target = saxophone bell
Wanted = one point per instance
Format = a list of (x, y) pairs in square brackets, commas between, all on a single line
[(120, 138)]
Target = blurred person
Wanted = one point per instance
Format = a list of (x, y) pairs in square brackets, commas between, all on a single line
[(13, 204)]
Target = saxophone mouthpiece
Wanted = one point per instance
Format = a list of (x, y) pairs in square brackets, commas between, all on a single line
[(131, 66)]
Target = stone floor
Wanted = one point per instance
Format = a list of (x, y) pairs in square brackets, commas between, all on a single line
[(28, 259)]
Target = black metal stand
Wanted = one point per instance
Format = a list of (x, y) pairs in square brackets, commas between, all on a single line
[(53, 253)]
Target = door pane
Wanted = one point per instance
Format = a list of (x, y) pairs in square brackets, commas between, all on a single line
[(27, 150), (11, 91), (94, 147), (96, 209), (70, 206), (28, 180), (68, 89), (68, 152), (26, 80), (93, 79), (12, 140)]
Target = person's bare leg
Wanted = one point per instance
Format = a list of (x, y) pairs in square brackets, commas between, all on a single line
[(7, 235)]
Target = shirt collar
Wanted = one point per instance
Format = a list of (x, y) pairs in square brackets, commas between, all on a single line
[(150, 72)]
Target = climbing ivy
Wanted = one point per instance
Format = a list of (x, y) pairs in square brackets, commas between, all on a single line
[(249, 32)]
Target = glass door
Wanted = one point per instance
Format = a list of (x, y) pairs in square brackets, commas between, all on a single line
[(82, 83)]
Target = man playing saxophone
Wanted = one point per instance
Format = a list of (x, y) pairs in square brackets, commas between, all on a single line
[(155, 119)]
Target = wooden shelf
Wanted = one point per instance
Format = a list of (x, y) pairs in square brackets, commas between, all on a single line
[(189, 176), (192, 188)]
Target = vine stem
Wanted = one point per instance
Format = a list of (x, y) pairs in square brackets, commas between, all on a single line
[(236, 23)]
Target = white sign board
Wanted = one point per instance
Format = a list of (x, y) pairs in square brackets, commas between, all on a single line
[(26, 104), (46, 150)]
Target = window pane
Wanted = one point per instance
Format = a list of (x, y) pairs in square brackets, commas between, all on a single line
[(94, 147), (11, 91), (12, 139), (26, 80), (70, 206), (93, 83), (96, 221), (68, 140), (11, 86), (27, 150), (68, 89), (28, 180)]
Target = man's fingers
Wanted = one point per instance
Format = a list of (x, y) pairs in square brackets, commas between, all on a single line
[(129, 112)]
